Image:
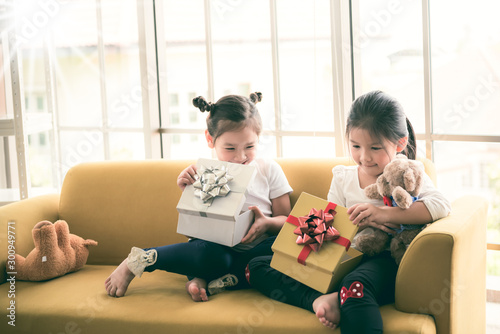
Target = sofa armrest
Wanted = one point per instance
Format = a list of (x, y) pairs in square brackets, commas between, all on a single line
[(23, 215), (443, 272)]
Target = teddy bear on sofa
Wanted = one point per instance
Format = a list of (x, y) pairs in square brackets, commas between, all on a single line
[(399, 185), (57, 252)]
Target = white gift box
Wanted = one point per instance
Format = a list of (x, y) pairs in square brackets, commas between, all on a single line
[(221, 221)]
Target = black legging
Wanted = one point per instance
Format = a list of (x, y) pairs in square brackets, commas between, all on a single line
[(207, 260), (361, 292)]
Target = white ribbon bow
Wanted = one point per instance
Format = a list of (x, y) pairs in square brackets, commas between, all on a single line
[(212, 182)]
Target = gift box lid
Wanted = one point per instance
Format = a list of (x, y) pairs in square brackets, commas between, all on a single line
[(328, 257), (225, 206)]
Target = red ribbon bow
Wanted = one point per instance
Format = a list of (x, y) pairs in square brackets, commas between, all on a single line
[(314, 229)]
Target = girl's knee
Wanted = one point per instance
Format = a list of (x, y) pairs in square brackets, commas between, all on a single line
[(219, 262), (258, 265), (353, 290), (209, 251)]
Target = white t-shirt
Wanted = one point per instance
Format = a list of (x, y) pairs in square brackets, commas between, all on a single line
[(269, 183), (346, 191)]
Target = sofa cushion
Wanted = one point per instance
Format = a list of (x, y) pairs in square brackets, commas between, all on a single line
[(158, 303)]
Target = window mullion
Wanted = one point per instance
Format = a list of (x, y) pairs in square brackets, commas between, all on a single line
[(209, 48), (276, 77), (18, 107), (51, 90), (161, 63), (341, 43), (148, 55), (427, 77), (102, 80)]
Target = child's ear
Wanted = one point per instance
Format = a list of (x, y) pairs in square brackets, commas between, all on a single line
[(210, 139), (402, 144)]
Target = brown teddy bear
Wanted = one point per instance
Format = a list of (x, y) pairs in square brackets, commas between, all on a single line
[(57, 252), (399, 185)]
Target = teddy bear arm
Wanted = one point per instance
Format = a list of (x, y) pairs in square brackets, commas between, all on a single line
[(63, 238), (402, 198), (36, 232), (372, 192)]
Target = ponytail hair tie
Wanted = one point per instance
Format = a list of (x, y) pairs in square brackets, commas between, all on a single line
[(202, 104), (256, 97)]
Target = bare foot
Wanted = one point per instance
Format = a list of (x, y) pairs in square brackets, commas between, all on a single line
[(117, 283), (327, 309), (197, 288)]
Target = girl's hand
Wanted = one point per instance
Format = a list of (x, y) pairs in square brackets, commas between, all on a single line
[(365, 214), (271, 225), (187, 177), (258, 228)]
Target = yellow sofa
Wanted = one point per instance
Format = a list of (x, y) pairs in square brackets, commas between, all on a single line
[(440, 284)]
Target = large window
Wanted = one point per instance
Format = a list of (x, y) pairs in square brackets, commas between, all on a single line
[(114, 79), (391, 58), (454, 63), (219, 47), (80, 87), (97, 52)]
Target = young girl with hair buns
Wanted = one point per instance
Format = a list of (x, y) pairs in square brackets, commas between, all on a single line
[(377, 129), (233, 129)]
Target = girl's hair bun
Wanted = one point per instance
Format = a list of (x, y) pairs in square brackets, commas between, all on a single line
[(256, 97), (202, 104)]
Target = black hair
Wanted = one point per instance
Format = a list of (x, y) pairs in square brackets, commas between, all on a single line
[(231, 113), (383, 117)]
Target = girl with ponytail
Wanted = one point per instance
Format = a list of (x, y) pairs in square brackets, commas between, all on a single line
[(376, 131)]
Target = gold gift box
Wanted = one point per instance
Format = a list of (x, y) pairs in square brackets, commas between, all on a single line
[(324, 269)]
